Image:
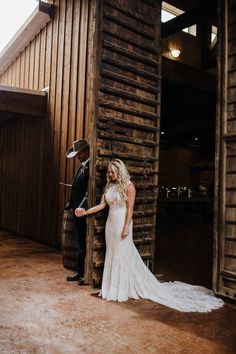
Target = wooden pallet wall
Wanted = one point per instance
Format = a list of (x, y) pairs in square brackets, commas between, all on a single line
[(225, 212), (127, 120)]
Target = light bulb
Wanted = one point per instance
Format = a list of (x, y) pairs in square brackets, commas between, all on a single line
[(175, 53)]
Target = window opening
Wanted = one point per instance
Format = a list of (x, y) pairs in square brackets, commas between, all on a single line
[(169, 12)]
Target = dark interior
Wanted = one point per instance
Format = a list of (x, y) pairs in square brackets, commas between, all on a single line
[(184, 237)]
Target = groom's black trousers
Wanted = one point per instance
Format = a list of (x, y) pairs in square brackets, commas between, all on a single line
[(80, 224)]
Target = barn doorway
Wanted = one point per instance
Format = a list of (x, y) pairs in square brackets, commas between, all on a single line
[(184, 235), (184, 240)]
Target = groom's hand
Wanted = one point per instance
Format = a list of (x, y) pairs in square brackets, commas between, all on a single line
[(79, 212)]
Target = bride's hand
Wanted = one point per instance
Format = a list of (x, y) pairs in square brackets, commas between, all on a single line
[(79, 212), (125, 231)]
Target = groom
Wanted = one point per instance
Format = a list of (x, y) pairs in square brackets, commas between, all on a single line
[(78, 199)]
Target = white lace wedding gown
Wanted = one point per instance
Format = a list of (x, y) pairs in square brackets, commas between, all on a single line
[(126, 276)]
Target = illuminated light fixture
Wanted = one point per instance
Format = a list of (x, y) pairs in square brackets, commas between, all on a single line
[(196, 139), (175, 53), (162, 133)]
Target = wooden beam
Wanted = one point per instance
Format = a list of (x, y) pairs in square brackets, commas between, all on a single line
[(188, 75), (187, 19), (208, 56), (22, 102)]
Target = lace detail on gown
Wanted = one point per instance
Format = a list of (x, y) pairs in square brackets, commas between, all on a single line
[(126, 276)]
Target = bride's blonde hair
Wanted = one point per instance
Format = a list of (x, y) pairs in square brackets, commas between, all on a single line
[(123, 177)]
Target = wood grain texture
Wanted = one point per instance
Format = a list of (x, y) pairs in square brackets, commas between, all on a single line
[(56, 58), (224, 266), (101, 63), (127, 123)]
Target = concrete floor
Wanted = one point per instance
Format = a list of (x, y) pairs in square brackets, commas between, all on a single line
[(43, 314)]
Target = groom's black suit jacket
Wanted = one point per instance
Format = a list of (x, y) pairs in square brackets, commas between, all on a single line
[(78, 197)]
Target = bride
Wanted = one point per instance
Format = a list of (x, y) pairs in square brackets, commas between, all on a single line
[(125, 275)]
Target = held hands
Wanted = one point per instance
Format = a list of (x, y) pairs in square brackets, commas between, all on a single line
[(79, 212), (125, 231)]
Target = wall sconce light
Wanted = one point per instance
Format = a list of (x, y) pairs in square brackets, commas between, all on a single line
[(175, 53)]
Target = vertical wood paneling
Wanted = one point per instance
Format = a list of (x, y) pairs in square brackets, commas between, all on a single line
[(71, 134), (56, 57), (18, 71), (65, 108), (82, 68), (13, 74), (36, 62), (27, 66), (50, 203), (42, 60), (58, 109), (31, 64), (19, 200), (22, 69), (48, 55)]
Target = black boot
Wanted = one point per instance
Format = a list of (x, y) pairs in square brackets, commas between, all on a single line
[(74, 277)]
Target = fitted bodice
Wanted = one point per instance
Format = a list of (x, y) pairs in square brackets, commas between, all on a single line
[(114, 198)]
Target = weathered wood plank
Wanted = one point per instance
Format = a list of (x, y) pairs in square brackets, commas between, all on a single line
[(125, 8), (36, 62), (71, 135), (80, 118), (128, 110), (22, 69), (131, 68), (128, 81), (126, 23), (120, 137), (130, 54), (125, 123), (119, 34), (128, 95), (125, 156), (32, 72), (42, 53), (65, 98)]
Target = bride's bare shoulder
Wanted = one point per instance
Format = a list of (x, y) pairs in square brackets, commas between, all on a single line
[(130, 186)]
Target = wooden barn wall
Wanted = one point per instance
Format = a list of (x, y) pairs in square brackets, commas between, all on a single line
[(32, 159), (127, 119), (225, 236)]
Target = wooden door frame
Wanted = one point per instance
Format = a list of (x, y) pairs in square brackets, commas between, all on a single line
[(220, 113)]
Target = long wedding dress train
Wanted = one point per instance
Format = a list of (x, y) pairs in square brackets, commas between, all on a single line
[(126, 276)]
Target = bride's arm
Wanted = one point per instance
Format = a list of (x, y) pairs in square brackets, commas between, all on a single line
[(130, 207), (82, 212)]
